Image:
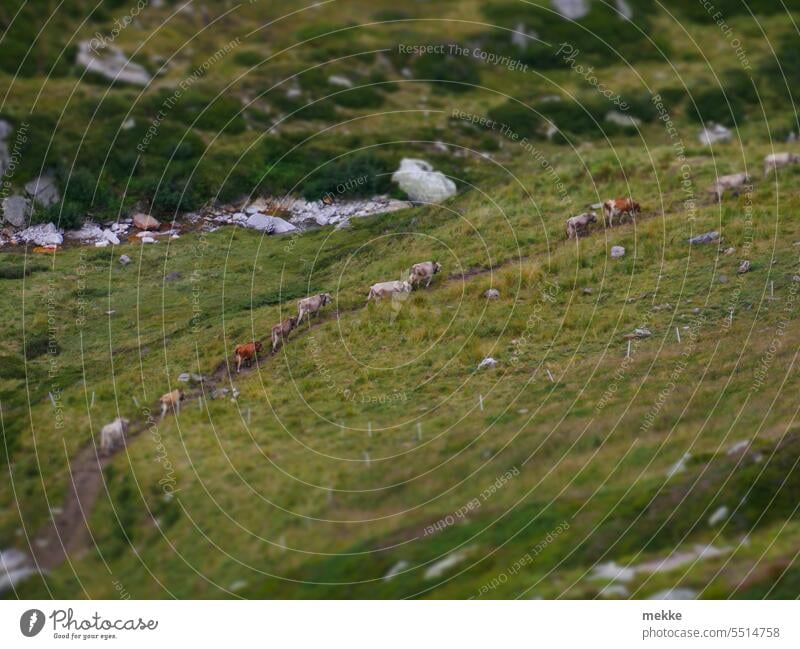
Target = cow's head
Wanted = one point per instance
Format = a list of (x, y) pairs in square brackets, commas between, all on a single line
[(124, 423), (326, 298), (293, 321), (258, 346), (436, 267), (181, 395)]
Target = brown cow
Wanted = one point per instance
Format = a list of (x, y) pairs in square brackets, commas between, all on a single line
[(578, 226), (171, 401), (246, 352), (620, 207), (281, 331)]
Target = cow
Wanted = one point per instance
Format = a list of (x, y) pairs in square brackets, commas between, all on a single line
[(578, 226), (387, 289), (281, 331), (246, 352), (171, 401), (777, 160), (620, 207), (731, 181), (423, 272), (311, 305), (113, 435)]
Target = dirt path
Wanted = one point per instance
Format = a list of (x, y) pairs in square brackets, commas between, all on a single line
[(68, 532)]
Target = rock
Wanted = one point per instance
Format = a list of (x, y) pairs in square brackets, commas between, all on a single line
[(173, 276), (16, 210), (145, 222), (623, 119), (714, 133), (438, 568), (614, 590), (487, 362), (637, 334), (14, 568), (739, 447), (587, 291), (744, 267), (421, 183), (42, 235), (397, 568), (719, 515), (43, 190), (5, 129), (617, 252), (612, 572), (679, 466), (573, 9), (110, 63), (521, 37), (706, 237), (269, 224), (187, 377), (101, 244), (675, 593), (148, 240), (796, 278), (729, 251), (625, 10), (722, 279), (492, 294), (340, 80), (124, 260)]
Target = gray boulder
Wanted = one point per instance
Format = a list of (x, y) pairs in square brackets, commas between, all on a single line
[(16, 210), (573, 9), (706, 237), (43, 190), (617, 252), (269, 224), (110, 63)]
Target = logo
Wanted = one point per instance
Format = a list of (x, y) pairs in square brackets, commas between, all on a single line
[(31, 622)]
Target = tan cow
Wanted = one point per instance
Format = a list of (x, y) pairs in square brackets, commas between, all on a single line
[(387, 289), (113, 435), (423, 272), (778, 160), (578, 226), (246, 353), (620, 207), (280, 332), (311, 305), (731, 181), (171, 401)]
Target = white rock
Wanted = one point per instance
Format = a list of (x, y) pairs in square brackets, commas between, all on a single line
[(624, 9), (421, 183), (397, 568), (437, 569), (43, 190), (16, 210), (675, 593), (124, 260), (718, 516), (148, 239), (340, 80), (622, 119), (739, 447), (574, 9), (109, 62), (492, 294), (614, 590), (612, 572), (101, 244), (617, 252), (42, 235), (487, 362), (679, 466), (269, 224), (714, 133)]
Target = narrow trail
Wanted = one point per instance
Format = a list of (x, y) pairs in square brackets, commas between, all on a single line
[(67, 532)]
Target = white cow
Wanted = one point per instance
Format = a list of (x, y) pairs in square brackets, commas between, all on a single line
[(423, 272), (731, 181), (387, 289), (778, 160), (113, 435)]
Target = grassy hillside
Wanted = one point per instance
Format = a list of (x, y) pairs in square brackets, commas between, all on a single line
[(369, 457)]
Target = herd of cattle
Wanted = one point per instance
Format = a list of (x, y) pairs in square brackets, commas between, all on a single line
[(617, 209)]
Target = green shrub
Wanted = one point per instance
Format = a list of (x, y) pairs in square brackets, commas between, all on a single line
[(451, 73), (366, 174), (12, 367), (359, 97), (521, 119), (728, 104)]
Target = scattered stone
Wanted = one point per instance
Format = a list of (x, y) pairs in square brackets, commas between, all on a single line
[(397, 568), (739, 447), (617, 252), (340, 80), (438, 568), (43, 190), (675, 593), (714, 133), (487, 363), (14, 568), (722, 279), (718, 516), (145, 222), (16, 210), (492, 294), (612, 572), (706, 237), (663, 307), (573, 9), (421, 183), (729, 251), (796, 278), (744, 267), (148, 240), (679, 466), (124, 260), (101, 244), (269, 224), (110, 63), (42, 235), (622, 119), (173, 276), (187, 377), (614, 590), (587, 291)]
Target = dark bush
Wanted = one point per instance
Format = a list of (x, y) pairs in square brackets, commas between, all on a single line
[(12, 367), (360, 97), (521, 119), (727, 105), (451, 73), (359, 174)]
